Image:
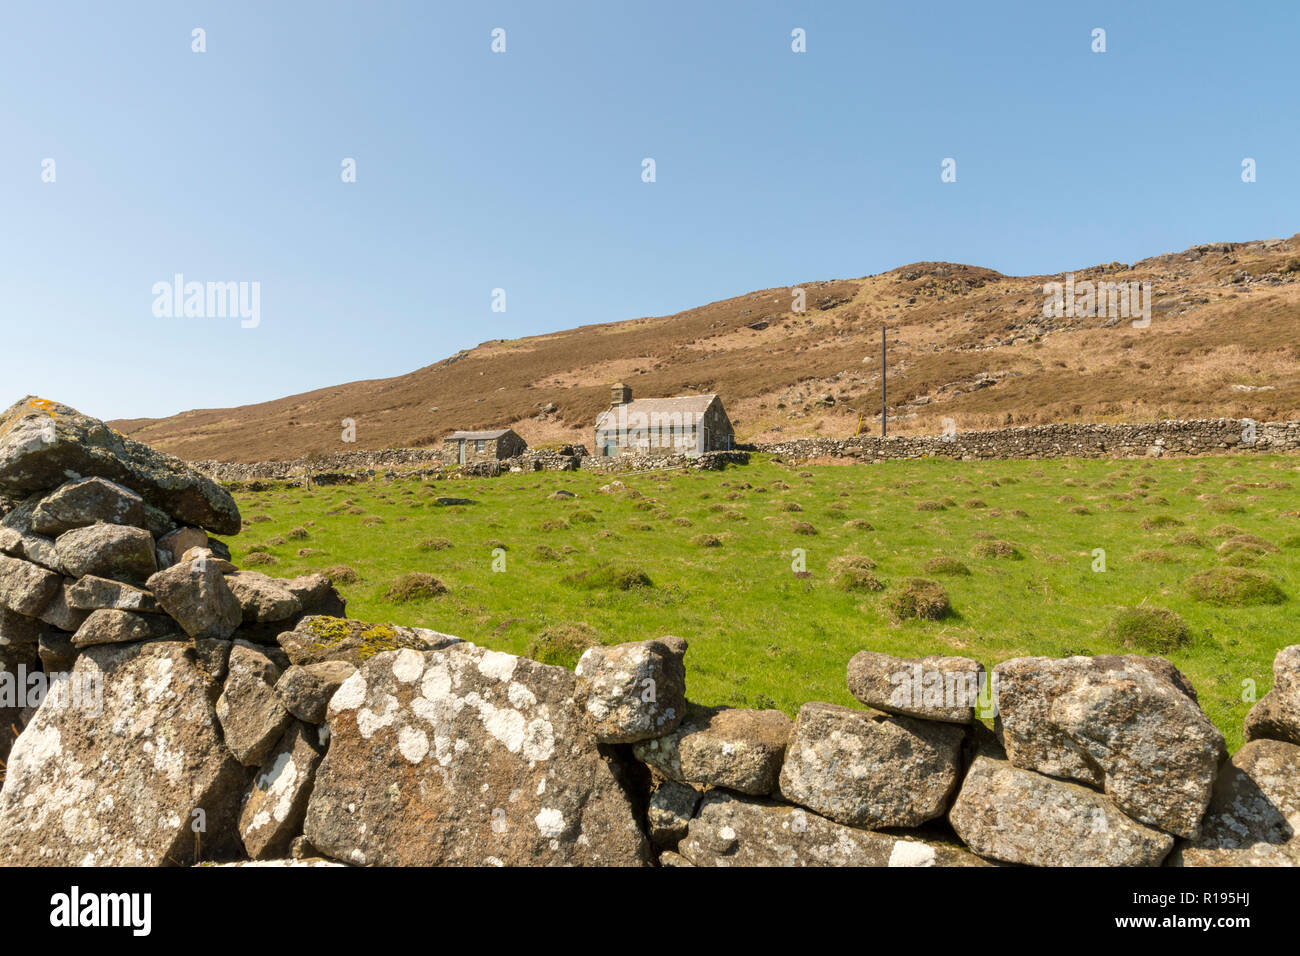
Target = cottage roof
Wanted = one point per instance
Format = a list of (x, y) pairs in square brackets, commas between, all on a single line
[(682, 404), (478, 436)]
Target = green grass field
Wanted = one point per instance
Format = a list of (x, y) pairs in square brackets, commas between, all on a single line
[(721, 552)]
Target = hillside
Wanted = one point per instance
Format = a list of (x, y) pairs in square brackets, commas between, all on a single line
[(966, 343)]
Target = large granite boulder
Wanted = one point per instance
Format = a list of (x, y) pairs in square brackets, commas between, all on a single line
[(43, 444), (1019, 816), (128, 783), (117, 552), (1129, 725), (722, 747), (87, 501), (1277, 714), (870, 769), (26, 588), (730, 830), (936, 688), (467, 756), (195, 594), (633, 691), (1254, 815)]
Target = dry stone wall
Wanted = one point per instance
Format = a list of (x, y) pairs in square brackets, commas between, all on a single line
[(196, 712), (1152, 439)]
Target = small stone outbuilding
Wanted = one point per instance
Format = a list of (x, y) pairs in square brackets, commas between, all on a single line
[(462, 448)]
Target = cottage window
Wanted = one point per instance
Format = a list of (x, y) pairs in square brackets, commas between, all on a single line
[(478, 445)]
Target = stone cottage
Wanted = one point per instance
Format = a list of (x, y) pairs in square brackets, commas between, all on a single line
[(685, 425), (460, 448)]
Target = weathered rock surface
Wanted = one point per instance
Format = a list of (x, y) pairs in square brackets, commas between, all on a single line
[(120, 787), (176, 543), (467, 756), (213, 655), (1019, 816), (306, 689), (91, 594), (669, 813), (44, 443), (722, 747), (261, 598), (26, 588), (196, 595), (866, 768), (317, 595), (107, 626), (936, 688), (56, 652), (730, 830), (277, 798), (30, 547), (113, 551), (1254, 815), (60, 613), (18, 629), (1125, 724), (1276, 716), (87, 501), (252, 717), (633, 691), (13, 657), (318, 638)]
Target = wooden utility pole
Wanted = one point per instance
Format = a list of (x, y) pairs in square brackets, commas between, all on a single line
[(884, 415)]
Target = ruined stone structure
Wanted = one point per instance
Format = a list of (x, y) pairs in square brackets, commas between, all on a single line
[(197, 712)]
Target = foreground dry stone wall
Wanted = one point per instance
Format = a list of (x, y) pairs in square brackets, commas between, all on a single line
[(195, 712)]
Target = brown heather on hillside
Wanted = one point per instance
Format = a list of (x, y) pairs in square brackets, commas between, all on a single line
[(966, 343)]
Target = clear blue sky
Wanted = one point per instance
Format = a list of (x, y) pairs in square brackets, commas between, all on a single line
[(522, 170)]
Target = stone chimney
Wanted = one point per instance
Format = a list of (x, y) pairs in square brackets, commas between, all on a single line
[(620, 394)]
